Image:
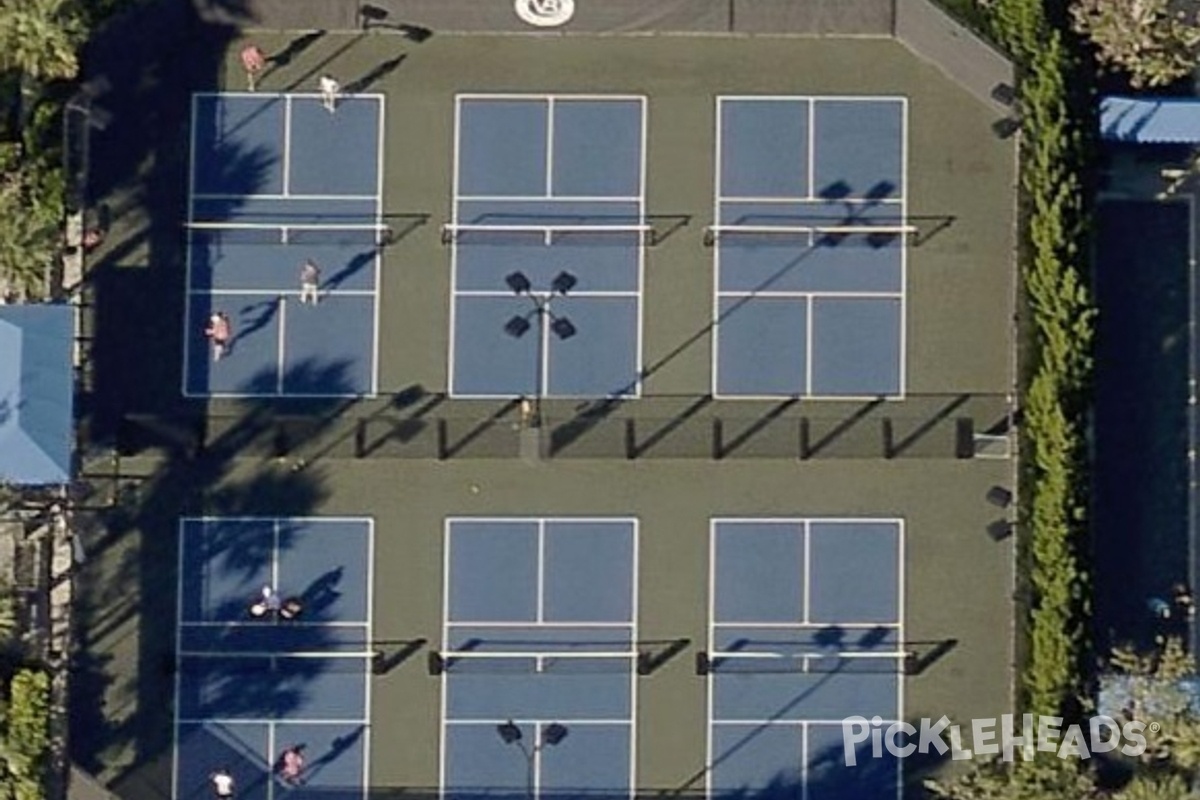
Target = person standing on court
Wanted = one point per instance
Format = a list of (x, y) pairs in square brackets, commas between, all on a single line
[(219, 332), (254, 60), (310, 282), (329, 92), (222, 783)]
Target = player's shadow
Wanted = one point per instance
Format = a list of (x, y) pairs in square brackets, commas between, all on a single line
[(323, 592), (253, 318), (294, 48), (381, 71), (356, 264)]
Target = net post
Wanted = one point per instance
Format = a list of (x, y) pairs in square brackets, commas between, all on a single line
[(435, 663), (703, 663)]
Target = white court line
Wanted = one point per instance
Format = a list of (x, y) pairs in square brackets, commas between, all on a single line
[(266, 721), (207, 518), (585, 293), (444, 687), (555, 198), (541, 571), (814, 294), (639, 356), (806, 555), (812, 148), (808, 201), (548, 625), (478, 96), (452, 316), (808, 341), (287, 145), (259, 624), (550, 111), (309, 95), (281, 339), (903, 387), (271, 760), (599, 721), (715, 349), (379, 170), (633, 673), (178, 677), (277, 293), (335, 198), (805, 626), (187, 307)]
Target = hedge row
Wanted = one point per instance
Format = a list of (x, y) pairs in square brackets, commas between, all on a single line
[(27, 739), (1062, 319)]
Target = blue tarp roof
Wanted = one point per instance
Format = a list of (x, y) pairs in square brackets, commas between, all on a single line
[(1150, 120), (36, 394)]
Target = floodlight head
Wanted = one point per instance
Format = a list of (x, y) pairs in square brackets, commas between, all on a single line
[(518, 282), (517, 327), (563, 282), (562, 328), (554, 733), (509, 732)]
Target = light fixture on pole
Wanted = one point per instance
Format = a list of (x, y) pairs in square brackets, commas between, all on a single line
[(543, 737), (519, 325)]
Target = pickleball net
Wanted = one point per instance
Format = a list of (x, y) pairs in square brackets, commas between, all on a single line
[(781, 662), (306, 234)]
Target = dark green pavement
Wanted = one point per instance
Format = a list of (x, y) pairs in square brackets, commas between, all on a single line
[(957, 579)]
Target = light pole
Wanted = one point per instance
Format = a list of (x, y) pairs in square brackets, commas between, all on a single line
[(510, 733), (519, 325)]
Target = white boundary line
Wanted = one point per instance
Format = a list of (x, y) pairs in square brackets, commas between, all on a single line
[(278, 293), (255, 624), (718, 199), (809, 306), (475, 721), (555, 198), (307, 95), (804, 626), (187, 306), (795, 294), (373, 389), (630, 721), (808, 200), (584, 294), (287, 147), (805, 724), (545, 96), (715, 338), (380, 166), (271, 744), (282, 345), (178, 679), (300, 197), (457, 199), (640, 338), (549, 163), (792, 723), (264, 721), (806, 555), (447, 531), (456, 176), (902, 377), (367, 711)]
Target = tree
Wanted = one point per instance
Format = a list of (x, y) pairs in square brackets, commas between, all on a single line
[(1156, 787), (1043, 777), (1154, 688), (30, 221), (38, 39), (1154, 44)]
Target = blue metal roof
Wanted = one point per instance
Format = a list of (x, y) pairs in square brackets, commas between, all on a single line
[(36, 394), (1150, 120)]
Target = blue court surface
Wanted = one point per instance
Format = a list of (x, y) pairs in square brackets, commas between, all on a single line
[(547, 246), (539, 631), (277, 180), (810, 247), (249, 688), (805, 630)]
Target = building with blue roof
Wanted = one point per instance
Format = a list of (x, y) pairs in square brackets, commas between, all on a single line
[(36, 394)]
